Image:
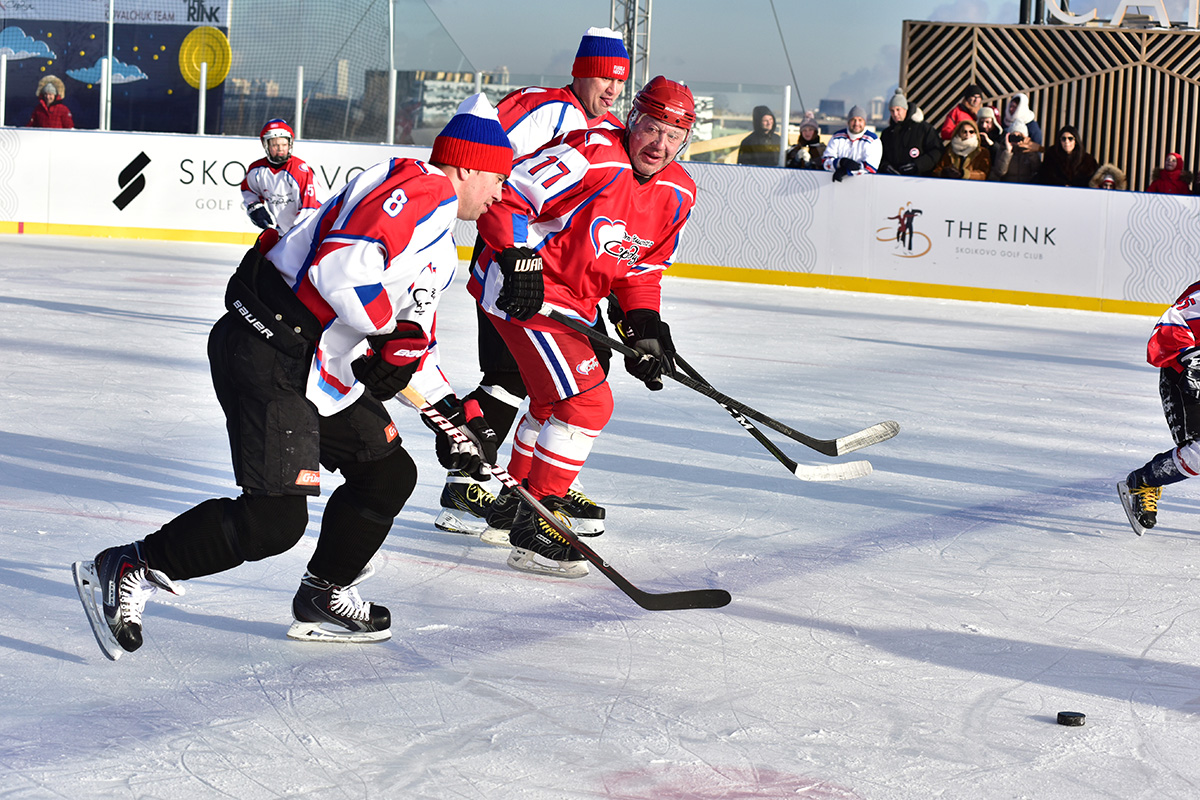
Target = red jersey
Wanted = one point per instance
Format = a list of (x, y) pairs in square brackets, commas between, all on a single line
[(1176, 330), (579, 204)]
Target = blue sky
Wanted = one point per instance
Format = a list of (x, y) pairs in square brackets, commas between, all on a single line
[(848, 49)]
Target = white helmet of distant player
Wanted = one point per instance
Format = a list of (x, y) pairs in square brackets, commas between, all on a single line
[(277, 129), (667, 101)]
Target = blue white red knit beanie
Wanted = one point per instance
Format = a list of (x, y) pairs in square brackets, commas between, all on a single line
[(601, 54), (473, 139)]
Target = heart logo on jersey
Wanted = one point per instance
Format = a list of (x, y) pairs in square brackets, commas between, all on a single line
[(605, 234)]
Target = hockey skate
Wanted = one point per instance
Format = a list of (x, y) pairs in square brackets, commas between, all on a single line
[(540, 549), (1140, 503), (465, 506), (324, 612), (500, 518), (114, 588), (587, 518)]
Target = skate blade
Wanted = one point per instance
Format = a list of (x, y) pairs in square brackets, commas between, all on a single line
[(1127, 504), (452, 521), (313, 632), (496, 537), (88, 586), (587, 527), (529, 561)]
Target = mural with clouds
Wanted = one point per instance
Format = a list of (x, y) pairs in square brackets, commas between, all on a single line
[(154, 79)]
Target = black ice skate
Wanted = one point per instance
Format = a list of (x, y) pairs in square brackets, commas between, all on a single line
[(1140, 502), (500, 518), (537, 547), (328, 613), (587, 518), (465, 505), (124, 582)]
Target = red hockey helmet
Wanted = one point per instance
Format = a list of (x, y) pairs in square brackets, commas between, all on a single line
[(277, 129), (668, 101)]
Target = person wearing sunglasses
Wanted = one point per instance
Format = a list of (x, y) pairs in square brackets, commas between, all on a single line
[(1066, 163)]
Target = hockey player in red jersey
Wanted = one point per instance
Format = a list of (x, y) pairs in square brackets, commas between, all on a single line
[(334, 319), (278, 190), (1174, 347), (592, 212), (531, 117)]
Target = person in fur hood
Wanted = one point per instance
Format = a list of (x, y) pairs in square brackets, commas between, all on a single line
[(1108, 177), (50, 111)]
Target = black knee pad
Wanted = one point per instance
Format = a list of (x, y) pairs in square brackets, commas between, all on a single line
[(508, 380), (267, 525), (379, 489)]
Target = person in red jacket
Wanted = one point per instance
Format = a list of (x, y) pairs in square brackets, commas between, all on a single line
[(50, 111), (1171, 179), (967, 109)]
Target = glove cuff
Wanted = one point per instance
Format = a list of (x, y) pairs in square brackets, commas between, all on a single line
[(1190, 358), (644, 323)]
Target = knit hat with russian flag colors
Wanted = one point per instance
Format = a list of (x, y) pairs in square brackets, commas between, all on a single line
[(474, 139), (601, 54)]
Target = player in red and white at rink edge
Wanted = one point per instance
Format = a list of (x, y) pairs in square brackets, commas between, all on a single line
[(531, 117), (279, 190), (591, 213)]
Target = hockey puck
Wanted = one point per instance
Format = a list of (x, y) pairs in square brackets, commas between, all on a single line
[(1071, 718)]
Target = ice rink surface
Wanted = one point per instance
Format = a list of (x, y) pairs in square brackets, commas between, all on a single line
[(910, 634)]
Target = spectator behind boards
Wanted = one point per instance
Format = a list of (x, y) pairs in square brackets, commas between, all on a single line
[(1171, 178), (853, 150), (910, 146), (965, 158), (1066, 163), (807, 151), (761, 148), (50, 111), (1014, 163), (967, 109)]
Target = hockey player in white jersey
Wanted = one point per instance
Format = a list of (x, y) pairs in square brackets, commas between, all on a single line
[(531, 117), (278, 190), (335, 318)]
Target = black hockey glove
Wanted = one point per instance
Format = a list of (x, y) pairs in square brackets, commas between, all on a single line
[(475, 457), (522, 294), (844, 167), (260, 216), (1189, 383), (645, 331), (393, 359)]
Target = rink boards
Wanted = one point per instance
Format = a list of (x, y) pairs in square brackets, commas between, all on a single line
[(1072, 248)]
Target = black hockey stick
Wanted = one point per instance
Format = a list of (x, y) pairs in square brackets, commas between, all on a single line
[(831, 447), (830, 472), (666, 601)]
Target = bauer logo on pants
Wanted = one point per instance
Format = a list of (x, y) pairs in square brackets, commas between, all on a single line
[(131, 180)]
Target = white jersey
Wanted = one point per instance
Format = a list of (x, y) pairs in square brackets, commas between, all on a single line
[(288, 190), (866, 149), (535, 115), (378, 251)]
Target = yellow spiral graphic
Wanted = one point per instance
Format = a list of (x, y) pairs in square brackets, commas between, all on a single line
[(205, 45)]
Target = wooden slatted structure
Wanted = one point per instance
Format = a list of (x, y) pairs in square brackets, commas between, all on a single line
[(1133, 93)]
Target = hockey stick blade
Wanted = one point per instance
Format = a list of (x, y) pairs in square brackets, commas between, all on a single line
[(830, 447), (651, 601), (835, 472)]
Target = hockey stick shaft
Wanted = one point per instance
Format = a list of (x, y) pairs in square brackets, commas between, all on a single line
[(829, 447), (666, 601), (853, 469)]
